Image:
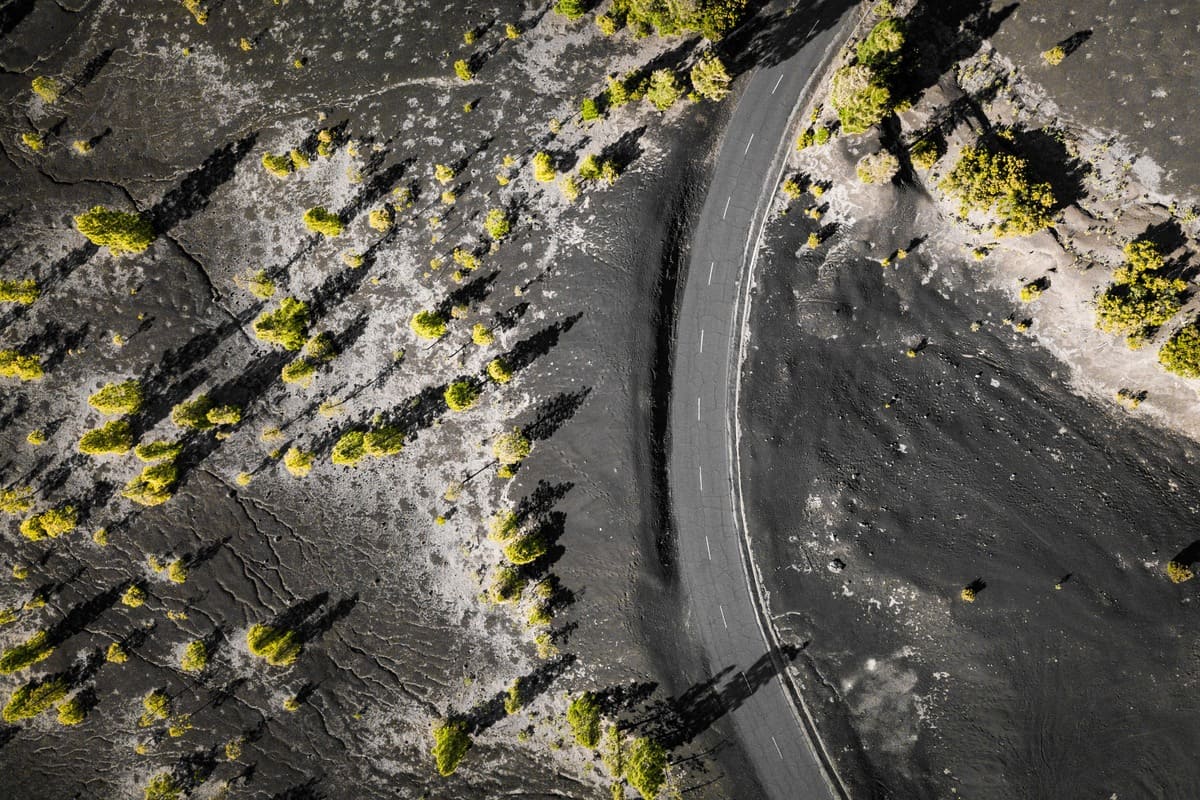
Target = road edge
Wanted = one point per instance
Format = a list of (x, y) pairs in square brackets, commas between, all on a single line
[(733, 433)]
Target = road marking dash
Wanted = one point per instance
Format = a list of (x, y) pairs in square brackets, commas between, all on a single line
[(710, 270), (697, 409), (701, 470), (701, 340), (777, 84), (777, 750), (748, 141), (723, 622), (707, 547), (726, 211)]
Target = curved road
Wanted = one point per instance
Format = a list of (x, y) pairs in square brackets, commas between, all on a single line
[(723, 612)]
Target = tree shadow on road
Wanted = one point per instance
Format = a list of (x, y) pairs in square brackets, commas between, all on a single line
[(679, 720)]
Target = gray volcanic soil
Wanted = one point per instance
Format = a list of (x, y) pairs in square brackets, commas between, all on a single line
[(385, 600), (877, 486)]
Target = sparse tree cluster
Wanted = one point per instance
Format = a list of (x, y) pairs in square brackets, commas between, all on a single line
[(999, 184)]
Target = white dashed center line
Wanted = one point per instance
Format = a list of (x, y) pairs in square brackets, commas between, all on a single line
[(707, 547), (710, 270), (777, 84), (777, 750), (697, 409), (726, 211), (701, 471), (723, 622), (748, 141), (702, 341)]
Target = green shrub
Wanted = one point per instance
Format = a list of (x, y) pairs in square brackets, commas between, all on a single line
[(583, 715), (664, 89), (322, 221), (589, 168), (72, 712), (450, 743), (497, 224), (512, 448), (49, 524), (539, 614), (499, 370), (15, 365), (1179, 573), (882, 43), (157, 706), (153, 486), (16, 500), (461, 395), (380, 219), (277, 646), (571, 9), (1181, 353), (224, 415), (481, 335), (387, 440), (998, 183), (299, 371), (298, 462), (21, 292), (118, 398), (113, 437), (503, 526), (507, 585), (463, 70), (195, 657), (925, 153), (617, 93), (24, 655), (859, 97), (47, 88), (349, 449), (1032, 291), (589, 110), (428, 325), (119, 231), (514, 698), (569, 187), (35, 141), (261, 286), (645, 766), (193, 414), (1140, 299), (611, 752), (278, 165), (177, 571), (878, 167), (543, 168), (607, 24), (710, 78), (286, 326), (33, 698), (163, 786), (526, 549)]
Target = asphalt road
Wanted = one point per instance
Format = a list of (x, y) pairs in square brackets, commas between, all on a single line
[(723, 615)]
